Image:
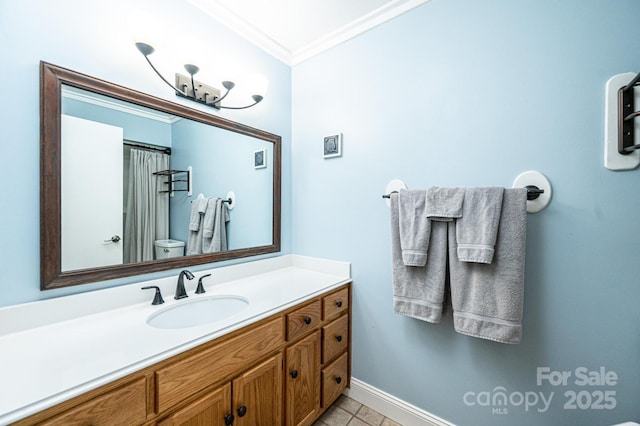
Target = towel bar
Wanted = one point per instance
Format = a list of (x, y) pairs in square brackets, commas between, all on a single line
[(537, 185), (533, 192)]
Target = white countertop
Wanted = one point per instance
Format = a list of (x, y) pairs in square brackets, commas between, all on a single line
[(53, 350)]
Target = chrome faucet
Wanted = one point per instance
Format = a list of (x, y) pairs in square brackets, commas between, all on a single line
[(181, 293)]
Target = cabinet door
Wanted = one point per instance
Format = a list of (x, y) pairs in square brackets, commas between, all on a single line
[(303, 381), (257, 395), (210, 410)]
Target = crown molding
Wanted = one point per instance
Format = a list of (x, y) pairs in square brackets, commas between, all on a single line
[(371, 20), (237, 24), (70, 92)]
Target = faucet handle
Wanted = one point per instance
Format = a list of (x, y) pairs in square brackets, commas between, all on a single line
[(157, 299), (200, 288)]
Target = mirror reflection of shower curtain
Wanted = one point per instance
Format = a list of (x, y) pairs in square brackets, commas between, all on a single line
[(146, 210)]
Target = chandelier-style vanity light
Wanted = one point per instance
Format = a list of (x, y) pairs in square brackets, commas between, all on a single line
[(188, 87)]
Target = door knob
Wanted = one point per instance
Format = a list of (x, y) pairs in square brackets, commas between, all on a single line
[(113, 239)]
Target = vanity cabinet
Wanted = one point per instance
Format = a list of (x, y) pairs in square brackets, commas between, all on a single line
[(286, 369)]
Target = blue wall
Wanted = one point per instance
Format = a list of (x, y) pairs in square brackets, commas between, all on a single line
[(472, 93), (222, 161), (94, 39)]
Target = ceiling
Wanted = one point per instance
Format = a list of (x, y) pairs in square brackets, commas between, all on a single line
[(295, 30)]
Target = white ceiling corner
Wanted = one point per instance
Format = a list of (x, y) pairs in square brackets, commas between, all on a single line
[(295, 30)]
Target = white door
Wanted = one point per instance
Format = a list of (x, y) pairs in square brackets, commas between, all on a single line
[(91, 194)]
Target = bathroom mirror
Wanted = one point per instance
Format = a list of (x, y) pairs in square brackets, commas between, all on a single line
[(127, 179)]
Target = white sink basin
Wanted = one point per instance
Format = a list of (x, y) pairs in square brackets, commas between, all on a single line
[(198, 312)]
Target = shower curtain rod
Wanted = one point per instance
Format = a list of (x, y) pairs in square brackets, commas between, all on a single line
[(148, 146)]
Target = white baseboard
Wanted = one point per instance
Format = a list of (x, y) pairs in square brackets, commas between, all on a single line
[(392, 407)]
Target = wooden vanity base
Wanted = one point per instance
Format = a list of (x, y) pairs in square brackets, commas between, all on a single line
[(286, 369)]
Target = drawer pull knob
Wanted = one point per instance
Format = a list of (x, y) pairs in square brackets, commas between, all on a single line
[(339, 303), (307, 320), (294, 374), (338, 380), (339, 338), (242, 411), (228, 419)]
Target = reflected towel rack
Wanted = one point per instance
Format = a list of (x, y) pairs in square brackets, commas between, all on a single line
[(171, 180), (229, 199)]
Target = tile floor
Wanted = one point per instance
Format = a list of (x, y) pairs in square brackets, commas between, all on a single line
[(347, 412)]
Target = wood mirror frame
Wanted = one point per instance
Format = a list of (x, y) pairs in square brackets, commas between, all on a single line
[(52, 78)]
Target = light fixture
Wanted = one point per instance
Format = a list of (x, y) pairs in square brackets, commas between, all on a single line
[(188, 87)]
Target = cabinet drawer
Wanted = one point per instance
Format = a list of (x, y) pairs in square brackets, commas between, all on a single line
[(302, 320), (126, 405), (335, 338), (188, 376), (334, 379), (335, 304)]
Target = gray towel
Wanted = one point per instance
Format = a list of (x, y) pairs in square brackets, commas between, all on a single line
[(477, 229), (414, 227), (198, 209), (488, 298), (208, 221), (194, 242), (418, 291), (444, 204), (196, 225), (215, 237)]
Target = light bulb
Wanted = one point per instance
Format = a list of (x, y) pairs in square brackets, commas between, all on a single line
[(257, 85), (227, 69), (189, 51), (144, 28)]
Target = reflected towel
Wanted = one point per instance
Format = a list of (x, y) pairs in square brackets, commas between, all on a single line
[(215, 237), (198, 209), (208, 220), (196, 225)]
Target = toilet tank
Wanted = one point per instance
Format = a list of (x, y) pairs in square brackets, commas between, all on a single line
[(169, 248)]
